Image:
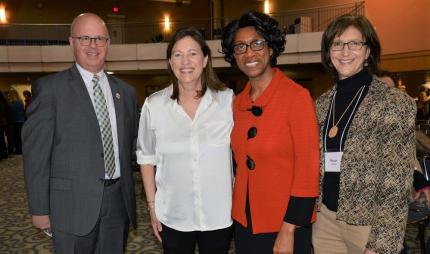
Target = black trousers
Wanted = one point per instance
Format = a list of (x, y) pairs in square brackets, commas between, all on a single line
[(209, 242), (110, 233), (248, 243)]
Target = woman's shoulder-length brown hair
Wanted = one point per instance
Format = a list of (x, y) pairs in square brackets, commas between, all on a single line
[(338, 26), (209, 78)]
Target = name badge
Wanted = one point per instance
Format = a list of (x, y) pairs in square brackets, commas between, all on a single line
[(332, 161)]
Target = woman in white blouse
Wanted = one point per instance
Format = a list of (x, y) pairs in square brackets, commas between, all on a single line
[(184, 131)]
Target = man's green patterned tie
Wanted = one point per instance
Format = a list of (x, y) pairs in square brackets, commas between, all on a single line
[(105, 127)]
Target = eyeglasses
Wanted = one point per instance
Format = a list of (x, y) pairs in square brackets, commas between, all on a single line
[(241, 48), (100, 41), (352, 45), (256, 110)]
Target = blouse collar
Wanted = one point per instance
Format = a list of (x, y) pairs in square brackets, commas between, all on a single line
[(245, 101)]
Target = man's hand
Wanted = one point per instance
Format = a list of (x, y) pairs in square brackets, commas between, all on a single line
[(41, 221), (284, 243), (367, 251)]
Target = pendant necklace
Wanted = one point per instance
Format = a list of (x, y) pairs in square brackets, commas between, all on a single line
[(334, 129)]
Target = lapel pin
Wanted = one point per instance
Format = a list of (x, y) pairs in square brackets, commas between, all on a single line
[(118, 96)]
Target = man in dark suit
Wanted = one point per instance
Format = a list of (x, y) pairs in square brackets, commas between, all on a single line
[(78, 145)]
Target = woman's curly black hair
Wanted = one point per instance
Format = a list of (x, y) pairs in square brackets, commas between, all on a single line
[(265, 26)]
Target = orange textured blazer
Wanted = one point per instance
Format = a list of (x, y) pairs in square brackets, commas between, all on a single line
[(285, 151)]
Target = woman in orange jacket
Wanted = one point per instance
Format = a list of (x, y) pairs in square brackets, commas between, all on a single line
[(275, 144)]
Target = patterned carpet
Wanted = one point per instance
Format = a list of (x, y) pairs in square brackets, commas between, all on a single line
[(17, 236)]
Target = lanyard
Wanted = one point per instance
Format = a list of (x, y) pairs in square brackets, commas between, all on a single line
[(347, 123)]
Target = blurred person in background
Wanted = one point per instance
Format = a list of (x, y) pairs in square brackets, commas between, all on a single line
[(3, 125), (420, 183), (18, 120), (423, 103), (27, 99)]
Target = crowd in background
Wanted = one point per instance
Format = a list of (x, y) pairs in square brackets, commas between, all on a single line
[(12, 118)]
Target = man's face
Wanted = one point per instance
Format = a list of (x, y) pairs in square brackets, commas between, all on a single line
[(90, 42)]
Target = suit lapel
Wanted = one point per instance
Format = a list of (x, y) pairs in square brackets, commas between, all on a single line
[(83, 98)]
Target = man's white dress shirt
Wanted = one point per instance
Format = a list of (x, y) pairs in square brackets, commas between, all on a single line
[(107, 93), (192, 158)]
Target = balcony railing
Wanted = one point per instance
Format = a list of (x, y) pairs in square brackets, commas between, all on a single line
[(297, 21), (315, 19)]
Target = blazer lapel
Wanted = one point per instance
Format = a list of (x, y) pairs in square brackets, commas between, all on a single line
[(83, 98), (363, 118)]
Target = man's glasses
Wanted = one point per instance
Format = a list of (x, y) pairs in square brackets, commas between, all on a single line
[(352, 45), (241, 48), (252, 133), (100, 41)]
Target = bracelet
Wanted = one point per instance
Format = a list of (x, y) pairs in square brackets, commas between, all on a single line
[(151, 205)]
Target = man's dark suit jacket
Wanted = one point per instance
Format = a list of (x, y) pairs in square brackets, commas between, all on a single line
[(63, 151)]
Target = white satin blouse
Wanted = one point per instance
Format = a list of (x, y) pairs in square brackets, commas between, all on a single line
[(192, 158)]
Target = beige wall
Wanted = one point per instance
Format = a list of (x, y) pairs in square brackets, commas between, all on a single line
[(402, 25)]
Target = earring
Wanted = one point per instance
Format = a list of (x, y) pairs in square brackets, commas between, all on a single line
[(366, 63)]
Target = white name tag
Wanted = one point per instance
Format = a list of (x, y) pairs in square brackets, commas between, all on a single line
[(332, 161)]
